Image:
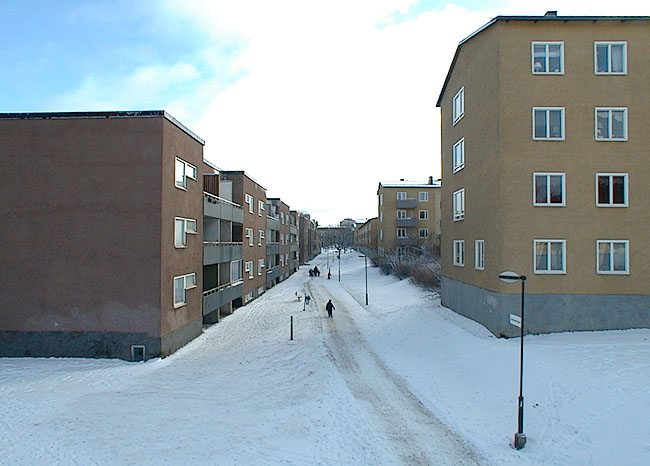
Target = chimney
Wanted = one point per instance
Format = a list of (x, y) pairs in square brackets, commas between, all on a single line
[(431, 180), (551, 13)]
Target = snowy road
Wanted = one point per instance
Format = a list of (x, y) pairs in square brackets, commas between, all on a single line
[(406, 425)]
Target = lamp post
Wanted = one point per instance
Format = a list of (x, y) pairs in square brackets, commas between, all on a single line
[(518, 321), (365, 262), (339, 265)]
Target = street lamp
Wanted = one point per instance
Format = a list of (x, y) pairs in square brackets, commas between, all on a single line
[(339, 265), (365, 261), (518, 321)]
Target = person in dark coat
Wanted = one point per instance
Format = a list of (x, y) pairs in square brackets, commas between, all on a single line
[(330, 307), (311, 272), (316, 271)]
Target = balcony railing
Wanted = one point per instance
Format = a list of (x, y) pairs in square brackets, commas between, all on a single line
[(410, 203), (407, 222), (217, 207), (219, 252), (223, 287), (216, 297)]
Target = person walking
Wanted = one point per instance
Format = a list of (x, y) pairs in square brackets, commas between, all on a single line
[(330, 307), (316, 271)]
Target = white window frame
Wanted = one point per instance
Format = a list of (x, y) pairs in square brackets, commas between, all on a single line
[(609, 123), (425, 216), (401, 230), (248, 267), (192, 174), (423, 196), (611, 243), (260, 208), (547, 110), (249, 235), (546, 59), (185, 230), (548, 202), (188, 282), (260, 266), (610, 176), (381, 199), (479, 254), (548, 271), (381, 235), (261, 236), (425, 231), (401, 214), (458, 155), (459, 205), (250, 201), (609, 57), (458, 106), (401, 195), (236, 273), (458, 253)]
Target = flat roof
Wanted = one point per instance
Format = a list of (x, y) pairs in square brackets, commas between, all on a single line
[(546, 17), (409, 184), (99, 115)]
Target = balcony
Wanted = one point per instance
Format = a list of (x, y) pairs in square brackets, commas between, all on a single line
[(407, 222), (293, 247), (293, 264), (217, 207), (407, 203), (293, 230), (273, 223), (272, 273), (410, 241), (217, 252), (215, 298), (272, 248)]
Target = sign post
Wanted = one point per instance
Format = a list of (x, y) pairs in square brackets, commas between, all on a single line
[(518, 321)]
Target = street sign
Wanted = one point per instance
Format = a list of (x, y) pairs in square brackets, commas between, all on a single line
[(509, 277), (515, 320)]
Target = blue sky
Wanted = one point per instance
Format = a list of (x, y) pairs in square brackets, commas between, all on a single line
[(318, 100)]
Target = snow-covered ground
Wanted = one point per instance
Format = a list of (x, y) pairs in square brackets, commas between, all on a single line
[(401, 381)]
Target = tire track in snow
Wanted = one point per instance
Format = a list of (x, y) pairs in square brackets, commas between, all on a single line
[(412, 431)]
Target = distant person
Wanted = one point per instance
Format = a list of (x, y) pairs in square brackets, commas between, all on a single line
[(311, 272), (316, 271), (329, 274), (330, 307)]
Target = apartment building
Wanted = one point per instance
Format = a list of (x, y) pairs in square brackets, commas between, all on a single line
[(309, 238), (293, 242), (544, 155), (251, 195), (365, 236), (408, 216), (277, 252), (100, 217), (223, 284)]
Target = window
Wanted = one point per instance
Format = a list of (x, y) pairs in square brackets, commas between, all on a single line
[(548, 57), (479, 254), (424, 215), (401, 232), (183, 171), (423, 196), (381, 199), (260, 237), (181, 285), (459, 155), (401, 214), (281, 259), (612, 257), (182, 226), (550, 256), (260, 208), (548, 189), (381, 235), (282, 218), (548, 123), (249, 201), (458, 106), (424, 233), (249, 235), (610, 57), (235, 271), (459, 253), (401, 195), (459, 205), (248, 297), (611, 189), (249, 268), (381, 216), (611, 124), (260, 266)]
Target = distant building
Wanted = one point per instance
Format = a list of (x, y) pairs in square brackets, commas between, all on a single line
[(545, 167), (409, 215), (365, 236)]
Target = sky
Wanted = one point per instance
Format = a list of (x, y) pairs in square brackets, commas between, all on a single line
[(319, 101)]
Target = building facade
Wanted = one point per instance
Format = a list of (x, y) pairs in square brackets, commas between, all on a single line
[(544, 154), (408, 216), (365, 236), (251, 195), (97, 268), (280, 218)]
